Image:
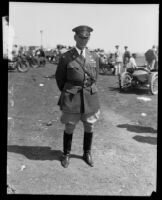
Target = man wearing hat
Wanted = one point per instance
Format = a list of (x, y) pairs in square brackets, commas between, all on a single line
[(126, 57), (76, 77), (118, 60), (126, 54)]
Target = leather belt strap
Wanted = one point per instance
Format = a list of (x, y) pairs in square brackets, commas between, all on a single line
[(77, 83)]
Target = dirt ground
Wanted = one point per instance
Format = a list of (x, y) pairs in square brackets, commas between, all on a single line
[(124, 146)]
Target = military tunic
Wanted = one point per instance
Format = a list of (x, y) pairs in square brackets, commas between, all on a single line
[(76, 78)]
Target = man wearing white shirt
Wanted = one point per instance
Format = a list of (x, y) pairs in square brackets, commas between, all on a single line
[(131, 65), (118, 60)]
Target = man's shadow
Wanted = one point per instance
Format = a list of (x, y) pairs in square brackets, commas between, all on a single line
[(141, 129), (38, 152), (137, 91), (137, 128), (146, 139)]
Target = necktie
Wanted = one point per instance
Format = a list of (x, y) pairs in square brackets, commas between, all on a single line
[(81, 55), (81, 52)]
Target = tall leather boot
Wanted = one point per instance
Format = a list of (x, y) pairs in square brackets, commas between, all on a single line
[(67, 141), (87, 142)]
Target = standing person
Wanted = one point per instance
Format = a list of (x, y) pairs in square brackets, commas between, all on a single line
[(151, 58), (76, 77), (118, 60), (111, 62), (15, 52), (40, 56), (126, 56)]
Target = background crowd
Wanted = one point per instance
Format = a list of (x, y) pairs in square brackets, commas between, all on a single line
[(119, 61)]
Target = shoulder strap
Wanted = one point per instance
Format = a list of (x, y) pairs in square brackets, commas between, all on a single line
[(85, 71)]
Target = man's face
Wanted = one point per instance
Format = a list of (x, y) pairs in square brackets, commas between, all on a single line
[(81, 42)]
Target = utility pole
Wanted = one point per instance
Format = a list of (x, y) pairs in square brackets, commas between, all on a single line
[(41, 32)]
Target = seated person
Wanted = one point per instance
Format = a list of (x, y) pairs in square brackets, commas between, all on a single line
[(131, 64)]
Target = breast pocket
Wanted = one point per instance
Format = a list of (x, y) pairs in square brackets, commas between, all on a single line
[(75, 73), (94, 89)]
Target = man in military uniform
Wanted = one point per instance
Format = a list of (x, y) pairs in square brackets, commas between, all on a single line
[(76, 77), (126, 55)]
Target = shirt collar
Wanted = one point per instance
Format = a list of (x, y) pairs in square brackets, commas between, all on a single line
[(79, 51)]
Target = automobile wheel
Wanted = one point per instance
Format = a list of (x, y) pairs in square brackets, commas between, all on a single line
[(154, 85)]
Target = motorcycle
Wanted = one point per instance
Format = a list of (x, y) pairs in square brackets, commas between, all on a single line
[(139, 77), (19, 63), (33, 62)]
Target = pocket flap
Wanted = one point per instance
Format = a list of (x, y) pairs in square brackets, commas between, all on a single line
[(72, 90)]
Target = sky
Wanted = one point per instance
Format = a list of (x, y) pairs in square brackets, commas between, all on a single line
[(134, 25)]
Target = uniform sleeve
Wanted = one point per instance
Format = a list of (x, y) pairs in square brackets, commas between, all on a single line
[(60, 74)]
